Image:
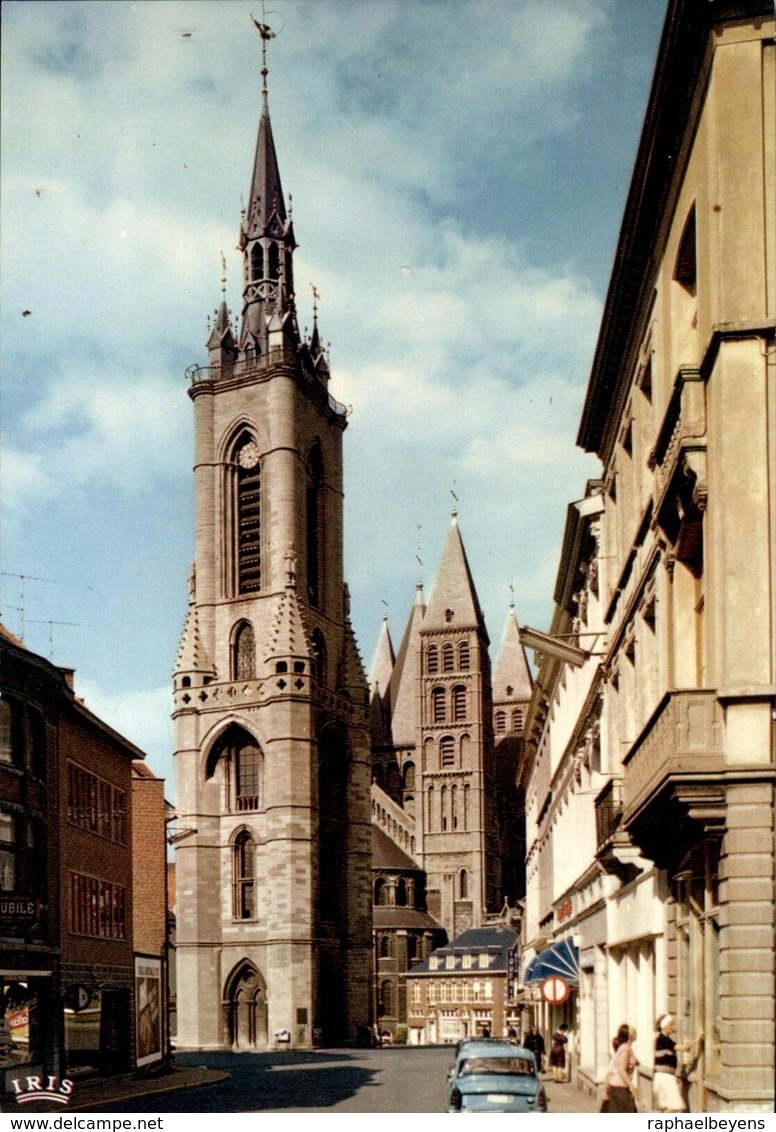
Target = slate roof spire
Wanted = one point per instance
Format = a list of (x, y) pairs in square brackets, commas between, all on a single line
[(266, 240), (454, 600)]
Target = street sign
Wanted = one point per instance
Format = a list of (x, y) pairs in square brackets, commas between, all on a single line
[(555, 990)]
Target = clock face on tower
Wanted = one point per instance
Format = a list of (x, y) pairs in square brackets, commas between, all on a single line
[(248, 456)]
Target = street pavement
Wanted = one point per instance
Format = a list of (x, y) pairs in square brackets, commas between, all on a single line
[(398, 1079)]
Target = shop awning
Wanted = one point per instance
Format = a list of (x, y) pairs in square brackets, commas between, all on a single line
[(560, 959)]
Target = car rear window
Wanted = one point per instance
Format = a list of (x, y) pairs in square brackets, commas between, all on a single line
[(517, 1065)]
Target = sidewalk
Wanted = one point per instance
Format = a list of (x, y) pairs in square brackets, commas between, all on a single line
[(565, 1097)]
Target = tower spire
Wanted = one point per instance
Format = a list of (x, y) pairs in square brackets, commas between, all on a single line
[(266, 237)]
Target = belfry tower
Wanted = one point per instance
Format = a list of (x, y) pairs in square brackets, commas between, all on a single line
[(272, 761)]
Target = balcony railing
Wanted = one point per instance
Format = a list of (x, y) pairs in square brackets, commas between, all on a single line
[(682, 737), (608, 811), (255, 367)]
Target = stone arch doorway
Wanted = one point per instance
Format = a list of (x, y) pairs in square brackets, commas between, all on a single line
[(245, 1007)]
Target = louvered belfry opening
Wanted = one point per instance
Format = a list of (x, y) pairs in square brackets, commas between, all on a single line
[(249, 529)]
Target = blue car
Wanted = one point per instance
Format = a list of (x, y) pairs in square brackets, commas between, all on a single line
[(495, 1077)]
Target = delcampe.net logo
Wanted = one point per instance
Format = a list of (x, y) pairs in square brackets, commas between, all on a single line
[(30, 1089)]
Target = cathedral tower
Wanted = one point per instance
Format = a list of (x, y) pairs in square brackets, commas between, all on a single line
[(270, 700)]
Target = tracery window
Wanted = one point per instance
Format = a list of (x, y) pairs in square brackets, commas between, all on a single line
[(247, 778), (244, 652)]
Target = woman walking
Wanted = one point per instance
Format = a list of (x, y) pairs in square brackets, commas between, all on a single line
[(667, 1094), (620, 1086), (558, 1052)]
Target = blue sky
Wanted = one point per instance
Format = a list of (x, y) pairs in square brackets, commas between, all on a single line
[(458, 171)]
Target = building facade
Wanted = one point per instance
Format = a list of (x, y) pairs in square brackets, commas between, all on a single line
[(465, 989), (66, 879), (270, 702), (665, 724)]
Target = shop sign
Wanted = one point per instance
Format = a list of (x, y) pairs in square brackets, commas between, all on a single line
[(555, 990), (19, 909), (78, 997), (564, 910)]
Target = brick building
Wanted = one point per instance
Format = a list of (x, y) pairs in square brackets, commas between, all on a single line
[(66, 911)]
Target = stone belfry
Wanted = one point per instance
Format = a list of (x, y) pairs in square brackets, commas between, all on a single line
[(272, 762)]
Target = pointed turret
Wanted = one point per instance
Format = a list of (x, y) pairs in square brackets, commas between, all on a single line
[(384, 659), (403, 688), (511, 674), (454, 602), (221, 347), (288, 646)]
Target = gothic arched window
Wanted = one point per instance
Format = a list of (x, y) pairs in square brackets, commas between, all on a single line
[(246, 778), (401, 893), (409, 776), (243, 497), (257, 262), (244, 652), (380, 895), (438, 705), (314, 523), (459, 703), (243, 877), (273, 260)]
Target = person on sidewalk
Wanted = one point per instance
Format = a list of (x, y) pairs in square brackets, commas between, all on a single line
[(621, 1087), (534, 1041), (558, 1052), (666, 1091)]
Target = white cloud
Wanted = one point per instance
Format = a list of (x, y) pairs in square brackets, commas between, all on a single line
[(141, 715)]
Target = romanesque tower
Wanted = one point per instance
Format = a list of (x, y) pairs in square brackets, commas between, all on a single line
[(443, 784), (270, 701)]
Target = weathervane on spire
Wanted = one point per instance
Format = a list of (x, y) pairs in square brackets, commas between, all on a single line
[(266, 33)]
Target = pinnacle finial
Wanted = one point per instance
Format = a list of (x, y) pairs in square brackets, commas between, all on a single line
[(223, 274)]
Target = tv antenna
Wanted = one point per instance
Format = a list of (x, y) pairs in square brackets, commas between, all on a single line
[(22, 578), (51, 625)]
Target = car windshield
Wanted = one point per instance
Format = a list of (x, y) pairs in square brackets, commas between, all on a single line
[(505, 1065)]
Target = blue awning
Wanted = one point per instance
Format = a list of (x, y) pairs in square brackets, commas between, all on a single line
[(560, 959)]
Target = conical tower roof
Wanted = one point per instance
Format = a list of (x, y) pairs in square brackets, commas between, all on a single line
[(511, 674), (404, 683), (454, 602), (384, 659)]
